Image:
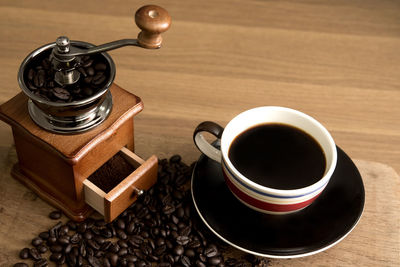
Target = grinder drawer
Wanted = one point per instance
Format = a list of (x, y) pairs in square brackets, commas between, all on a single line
[(112, 203)]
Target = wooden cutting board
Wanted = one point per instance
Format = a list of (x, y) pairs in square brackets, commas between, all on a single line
[(374, 242)]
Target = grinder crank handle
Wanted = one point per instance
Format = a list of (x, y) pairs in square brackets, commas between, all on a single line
[(151, 19)]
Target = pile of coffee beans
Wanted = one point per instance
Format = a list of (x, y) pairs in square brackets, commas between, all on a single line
[(160, 229), (39, 78)]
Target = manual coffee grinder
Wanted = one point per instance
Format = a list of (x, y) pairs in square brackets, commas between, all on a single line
[(70, 119)]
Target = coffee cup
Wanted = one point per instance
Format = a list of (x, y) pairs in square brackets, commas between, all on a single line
[(275, 160)]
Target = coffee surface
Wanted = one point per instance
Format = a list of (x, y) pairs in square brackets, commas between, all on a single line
[(278, 156)]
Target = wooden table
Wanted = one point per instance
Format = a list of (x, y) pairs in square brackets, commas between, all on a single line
[(337, 61)]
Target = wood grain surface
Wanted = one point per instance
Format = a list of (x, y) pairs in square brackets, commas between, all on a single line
[(337, 61)]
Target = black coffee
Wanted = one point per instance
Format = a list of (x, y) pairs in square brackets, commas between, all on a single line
[(278, 156)]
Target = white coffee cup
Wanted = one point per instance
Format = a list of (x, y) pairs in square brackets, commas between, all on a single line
[(256, 196)]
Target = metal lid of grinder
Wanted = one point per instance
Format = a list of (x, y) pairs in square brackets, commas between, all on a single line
[(68, 93)]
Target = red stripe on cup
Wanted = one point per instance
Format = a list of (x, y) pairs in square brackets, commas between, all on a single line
[(265, 205)]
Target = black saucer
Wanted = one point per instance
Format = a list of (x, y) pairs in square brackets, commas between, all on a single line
[(316, 228)]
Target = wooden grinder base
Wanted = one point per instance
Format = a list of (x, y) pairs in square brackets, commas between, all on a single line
[(53, 165)]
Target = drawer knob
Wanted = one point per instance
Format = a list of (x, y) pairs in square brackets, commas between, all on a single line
[(138, 192)]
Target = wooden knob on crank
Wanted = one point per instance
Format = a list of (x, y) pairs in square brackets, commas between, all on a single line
[(152, 20)]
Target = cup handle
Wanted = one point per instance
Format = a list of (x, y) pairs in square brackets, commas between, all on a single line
[(202, 144)]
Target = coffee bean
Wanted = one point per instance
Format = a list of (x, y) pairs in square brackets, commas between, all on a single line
[(51, 240), (106, 263), (210, 251), (99, 254), (41, 263), (141, 264), (71, 225), (135, 240), (120, 224), (56, 248), (168, 209), (121, 234), (179, 195), (106, 233), (146, 249), (88, 235), (105, 246), (44, 235), (122, 244), (63, 230), (61, 93), (175, 159), (123, 252), (98, 78), (68, 249), (79, 260), (202, 258), (34, 254), (88, 80), (31, 86), (83, 71), (82, 249), (144, 234), (114, 248), (200, 264), (194, 244), (182, 240), (169, 244), (181, 225), (63, 240), (187, 211), (71, 259), (131, 258), (81, 228), (100, 67), (36, 81), (20, 264), (94, 261), (55, 256), (113, 257), (61, 261), (190, 253), (89, 251), (129, 229), (42, 249), (31, 74), (87, 63), (24, 253), (93, 244), (180, 180), (178, 250), (90, 71), (96, 231), (185, 261), (214, 260), (75, 238), (87, 91), (99, 239)]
